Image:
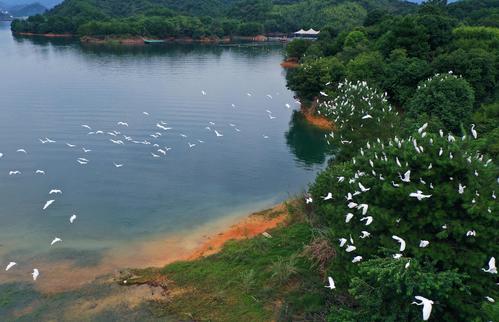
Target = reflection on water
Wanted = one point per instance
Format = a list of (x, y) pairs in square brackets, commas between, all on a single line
[(56, 85), (303, 140)]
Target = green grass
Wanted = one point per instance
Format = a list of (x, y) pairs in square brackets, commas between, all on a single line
[(251, 280)]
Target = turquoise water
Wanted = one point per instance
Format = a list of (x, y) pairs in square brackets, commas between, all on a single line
[(49, 88)]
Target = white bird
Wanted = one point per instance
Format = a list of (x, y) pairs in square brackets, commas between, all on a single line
[(288, 106), (271, 117), (56, 240), (10, 265), (82, 162), (87, 150), (423, 243), (492, 266), (324, 94), (421, 129), (350, 248), (55, 191), (401, 241), (473, 131), (35, 274), (365, 234), (308, 200), (491, 300), (47, 204), (218, 133), (14, 172), (1, 155), (407, 264), (406, 177), (396, 185), (154, 155), (331, 285), (461, 189), (427, 306), (117, 141), (364, 208), (86, 126), (203, 92), (397, 256), (356, 259), (72, 218), (419, 195), (329, 196), (266, 235), (191, 145), (362, 188), (349, 217), (145, 113), (123, 124), (118, 165), (342, 241), (470, 233), (367, 116), (368, 219), (39, 172), (21, 150)]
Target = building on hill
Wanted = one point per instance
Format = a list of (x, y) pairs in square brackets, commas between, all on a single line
[(306, 34)]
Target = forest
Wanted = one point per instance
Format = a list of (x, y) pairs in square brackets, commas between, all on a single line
[(173, 18)]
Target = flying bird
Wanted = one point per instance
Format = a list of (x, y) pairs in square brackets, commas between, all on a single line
[(419, 195), (331, 285), (72, 218), (218, 133), (56, 240), (10, 265), (47, 204), (401, 241), (55, 191), (427, 306), (35, 274), (492, 266)]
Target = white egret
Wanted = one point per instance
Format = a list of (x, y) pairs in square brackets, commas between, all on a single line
[(35, 274), (329, 196), (368, 219), (218, 134), (72, 218), (365, 234), (492, 266), (56, 240), (424, 243), (118, 165), (331, 285), (473, 131), (10, 265), (55, 191), (47, 204), (406, 177), (356, 259), (427, 306), (39, 172), (349, 217), (419, 195), (400, 241), (342, 241), (14, 172), (350, 248)]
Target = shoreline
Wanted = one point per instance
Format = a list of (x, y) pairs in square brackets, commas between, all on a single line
[(140, 41), (188, 245)]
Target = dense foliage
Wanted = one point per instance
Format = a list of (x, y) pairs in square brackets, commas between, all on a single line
[(415, 106), (396, 53), (174, 18)]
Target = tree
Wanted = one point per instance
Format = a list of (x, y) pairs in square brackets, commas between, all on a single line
[(448, 270), (448, 97), (311, 77), (368, 66), (297, 47)]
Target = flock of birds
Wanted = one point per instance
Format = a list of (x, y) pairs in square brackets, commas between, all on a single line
[(116, 137), (352, 113)]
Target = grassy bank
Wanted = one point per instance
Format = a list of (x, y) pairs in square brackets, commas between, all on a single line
[(256, 279)]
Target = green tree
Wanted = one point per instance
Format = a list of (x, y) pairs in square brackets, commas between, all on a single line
[(448, 97)]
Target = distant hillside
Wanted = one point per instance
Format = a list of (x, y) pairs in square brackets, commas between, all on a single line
[(196, 18), (27, 10)]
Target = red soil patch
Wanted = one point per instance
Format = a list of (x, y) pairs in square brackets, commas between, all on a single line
[(249, 227), (290, 63), (45, 35), (315, 119)]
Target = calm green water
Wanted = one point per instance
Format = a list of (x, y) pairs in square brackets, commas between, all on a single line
[(48, 89)]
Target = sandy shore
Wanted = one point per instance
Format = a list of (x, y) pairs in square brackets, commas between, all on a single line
[(66, 275)]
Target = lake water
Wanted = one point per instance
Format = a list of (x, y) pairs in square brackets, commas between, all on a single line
[(50, 88)]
